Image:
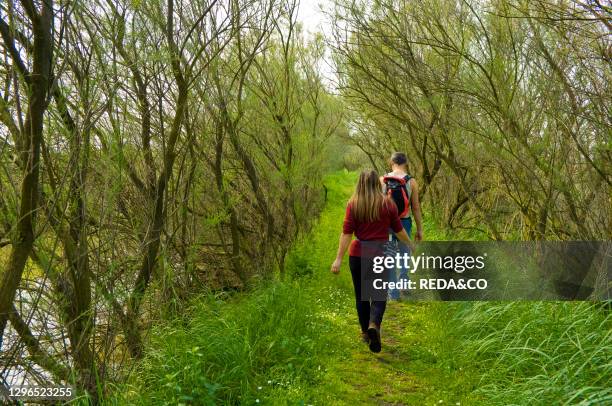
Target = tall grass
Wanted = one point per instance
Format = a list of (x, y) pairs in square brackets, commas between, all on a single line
[(273, 341), (539, 353)]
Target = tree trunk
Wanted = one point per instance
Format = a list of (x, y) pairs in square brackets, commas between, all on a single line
[(38, 85)]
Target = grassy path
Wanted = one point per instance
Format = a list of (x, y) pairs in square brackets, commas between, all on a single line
[(413, 368)]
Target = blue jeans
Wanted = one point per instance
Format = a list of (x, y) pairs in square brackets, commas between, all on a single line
[(394, 294)]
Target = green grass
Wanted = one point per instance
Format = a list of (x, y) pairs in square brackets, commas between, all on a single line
[(539, 353), (271, 345), (236, 352), (296, 342)]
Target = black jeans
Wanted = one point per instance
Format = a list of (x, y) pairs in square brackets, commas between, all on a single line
[(368, 310)]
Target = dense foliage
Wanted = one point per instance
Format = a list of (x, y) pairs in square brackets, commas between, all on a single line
[(149, 150), (503, 106)]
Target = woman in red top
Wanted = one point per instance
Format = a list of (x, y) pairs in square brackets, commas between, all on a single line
[(369, 215)]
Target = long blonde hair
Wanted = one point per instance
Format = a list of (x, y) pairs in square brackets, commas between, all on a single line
[(368, 199)]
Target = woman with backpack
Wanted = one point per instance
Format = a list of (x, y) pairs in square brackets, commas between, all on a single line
[(404, 191), (369, 215)]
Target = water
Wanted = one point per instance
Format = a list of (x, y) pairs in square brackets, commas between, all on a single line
[(15, 366)]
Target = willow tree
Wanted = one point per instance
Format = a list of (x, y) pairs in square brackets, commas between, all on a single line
[(162, 169), (496, 103), (28, 41)]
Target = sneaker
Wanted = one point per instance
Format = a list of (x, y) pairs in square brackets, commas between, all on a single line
[(365, 338), (374, 335)]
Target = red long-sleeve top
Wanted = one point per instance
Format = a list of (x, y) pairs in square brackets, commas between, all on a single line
[(374, 231)]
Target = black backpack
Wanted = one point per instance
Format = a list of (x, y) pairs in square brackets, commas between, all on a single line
[(398, 189)]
